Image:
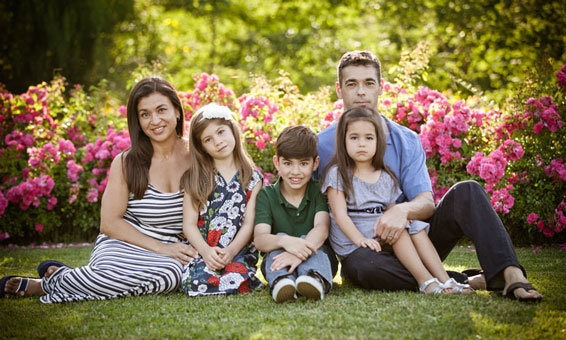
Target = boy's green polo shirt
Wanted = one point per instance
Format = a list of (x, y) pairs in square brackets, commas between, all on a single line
[(272, 208)]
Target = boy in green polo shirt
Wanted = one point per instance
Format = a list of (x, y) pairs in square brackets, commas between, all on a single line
[(292, 221)]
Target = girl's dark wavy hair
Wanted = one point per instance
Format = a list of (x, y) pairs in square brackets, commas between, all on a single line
[(345, 164)]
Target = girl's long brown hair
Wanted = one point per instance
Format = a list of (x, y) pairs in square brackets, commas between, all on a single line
[(137, 160), (198, 180), (345, 164)]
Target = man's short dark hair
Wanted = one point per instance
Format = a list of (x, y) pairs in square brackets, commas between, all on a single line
[(365, 58), (297, 142)]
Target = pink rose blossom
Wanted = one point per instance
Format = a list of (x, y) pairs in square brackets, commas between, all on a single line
[(66, 147), (502, 201), (457, 143), (543, 113), (3, 203), (92, 195), (260, 144), (532, 218), (73, 170), (548, 232), (556, 170), (512, 150), (51, 202)]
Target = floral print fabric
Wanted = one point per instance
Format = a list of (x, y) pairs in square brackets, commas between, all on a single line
[(219, 223)]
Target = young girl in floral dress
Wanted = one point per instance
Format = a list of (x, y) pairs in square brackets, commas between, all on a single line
[(220, 187)]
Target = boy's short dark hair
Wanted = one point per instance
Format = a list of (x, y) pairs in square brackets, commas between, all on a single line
[(298, 142), (364, 58)]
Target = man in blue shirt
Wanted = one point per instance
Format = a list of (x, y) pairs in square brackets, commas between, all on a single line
[(464, 210)]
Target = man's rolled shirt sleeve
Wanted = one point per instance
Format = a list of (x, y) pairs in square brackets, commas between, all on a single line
[(414, 177)]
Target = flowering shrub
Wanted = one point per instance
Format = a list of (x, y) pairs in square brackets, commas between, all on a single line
[(519, 157), (46, 152), (539, 176), (273, 105), (56, 149), (207, 89), (451, 134)]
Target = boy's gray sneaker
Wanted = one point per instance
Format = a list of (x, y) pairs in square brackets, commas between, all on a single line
[(310, 287), (283, 290)]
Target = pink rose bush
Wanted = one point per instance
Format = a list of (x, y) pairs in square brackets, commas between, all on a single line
[(451, 135), (56, 148), (538, 172), (30, 191), (45, 148), (517, 156), (258, 126), (272, 105), (207, 89), (98, 157)]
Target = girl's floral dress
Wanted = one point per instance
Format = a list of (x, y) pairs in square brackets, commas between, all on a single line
[(219, 222)]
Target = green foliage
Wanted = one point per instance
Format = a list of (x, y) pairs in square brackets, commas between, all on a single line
[(492, 44), (40, 38), (413, 65), (481, 47), (478, 48)]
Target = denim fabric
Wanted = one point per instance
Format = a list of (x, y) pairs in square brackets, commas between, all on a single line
[(318, 262)]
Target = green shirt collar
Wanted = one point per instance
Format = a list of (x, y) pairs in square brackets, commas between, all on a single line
[(282, 200)]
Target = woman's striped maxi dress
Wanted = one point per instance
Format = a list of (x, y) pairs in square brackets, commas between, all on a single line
[(117, 268)]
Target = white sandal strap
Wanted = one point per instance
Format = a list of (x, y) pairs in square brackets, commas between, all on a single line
[(437, 290), (23, 285), (450, 283), (457, 286)]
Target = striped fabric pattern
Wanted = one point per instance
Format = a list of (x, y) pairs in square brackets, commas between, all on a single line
[(158, 215), (117, 268)]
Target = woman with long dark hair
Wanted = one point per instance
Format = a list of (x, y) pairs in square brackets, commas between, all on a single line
[(139, 249)]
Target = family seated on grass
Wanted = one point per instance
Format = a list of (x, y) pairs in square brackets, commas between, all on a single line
[(382, 223)]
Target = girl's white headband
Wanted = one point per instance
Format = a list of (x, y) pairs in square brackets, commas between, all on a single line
[(214, 110)]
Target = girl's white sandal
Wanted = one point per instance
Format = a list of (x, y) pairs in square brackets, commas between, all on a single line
[(457, 287), (436, 290)]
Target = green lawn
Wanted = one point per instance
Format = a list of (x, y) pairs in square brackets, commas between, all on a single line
[(347, 313)]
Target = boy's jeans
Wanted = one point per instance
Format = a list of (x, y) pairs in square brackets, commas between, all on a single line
[(318, 262)]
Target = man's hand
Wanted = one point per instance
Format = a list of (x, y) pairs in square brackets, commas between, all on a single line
[(285, 259), (389, 226)]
